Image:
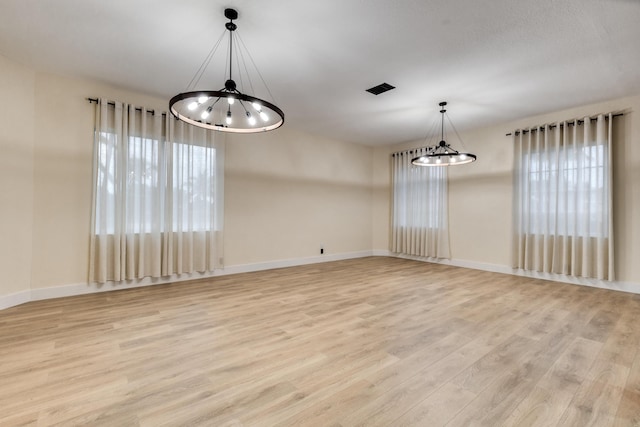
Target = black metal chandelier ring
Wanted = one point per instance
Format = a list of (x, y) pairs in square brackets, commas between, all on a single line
[(181, 102)]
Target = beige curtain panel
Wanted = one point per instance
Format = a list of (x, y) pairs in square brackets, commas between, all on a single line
[(420, 221), (563, 219), (157, 201)]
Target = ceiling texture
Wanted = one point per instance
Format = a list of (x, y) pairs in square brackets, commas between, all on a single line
[(492, 60)]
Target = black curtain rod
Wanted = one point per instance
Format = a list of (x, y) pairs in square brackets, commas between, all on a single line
[(401, 153), (113, 104), (571, 123)]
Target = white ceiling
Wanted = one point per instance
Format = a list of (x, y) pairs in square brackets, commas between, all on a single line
[(492, 60)]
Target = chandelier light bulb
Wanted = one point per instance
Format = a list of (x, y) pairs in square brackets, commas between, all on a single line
[(251, 119), (206, 113), (256, 106), (264, 116), (192, 106), (203, 99), (231, 100), (229, 120)]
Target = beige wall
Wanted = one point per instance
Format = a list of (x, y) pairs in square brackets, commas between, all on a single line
[(480, 193), (16, 176), (287, 193)]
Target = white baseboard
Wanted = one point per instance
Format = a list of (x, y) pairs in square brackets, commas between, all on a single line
[(18, 298), (90, 288), (270, 265), (615, 285)]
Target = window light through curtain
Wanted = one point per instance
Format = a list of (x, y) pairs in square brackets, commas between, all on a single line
[(563, 221), (420, 221), (157, 205)]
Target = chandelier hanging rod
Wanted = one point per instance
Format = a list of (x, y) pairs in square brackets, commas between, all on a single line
[(203, 67)]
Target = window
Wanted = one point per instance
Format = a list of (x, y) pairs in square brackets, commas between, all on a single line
[(566, 190), (145, 191), (193, 201)]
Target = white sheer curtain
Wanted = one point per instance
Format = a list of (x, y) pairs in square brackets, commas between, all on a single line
[(563, 221), (420, 221), (158, 193)]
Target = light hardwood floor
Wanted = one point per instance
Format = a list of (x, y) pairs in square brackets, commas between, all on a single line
[(370, 342)]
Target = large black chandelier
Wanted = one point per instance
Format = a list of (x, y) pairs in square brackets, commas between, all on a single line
[(227, 109), (442, 154)]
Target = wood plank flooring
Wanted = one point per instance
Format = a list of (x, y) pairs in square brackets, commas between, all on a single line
[(365, 342)]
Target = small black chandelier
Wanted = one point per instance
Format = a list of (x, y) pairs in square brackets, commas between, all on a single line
[(442, 154), (227, 109)]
